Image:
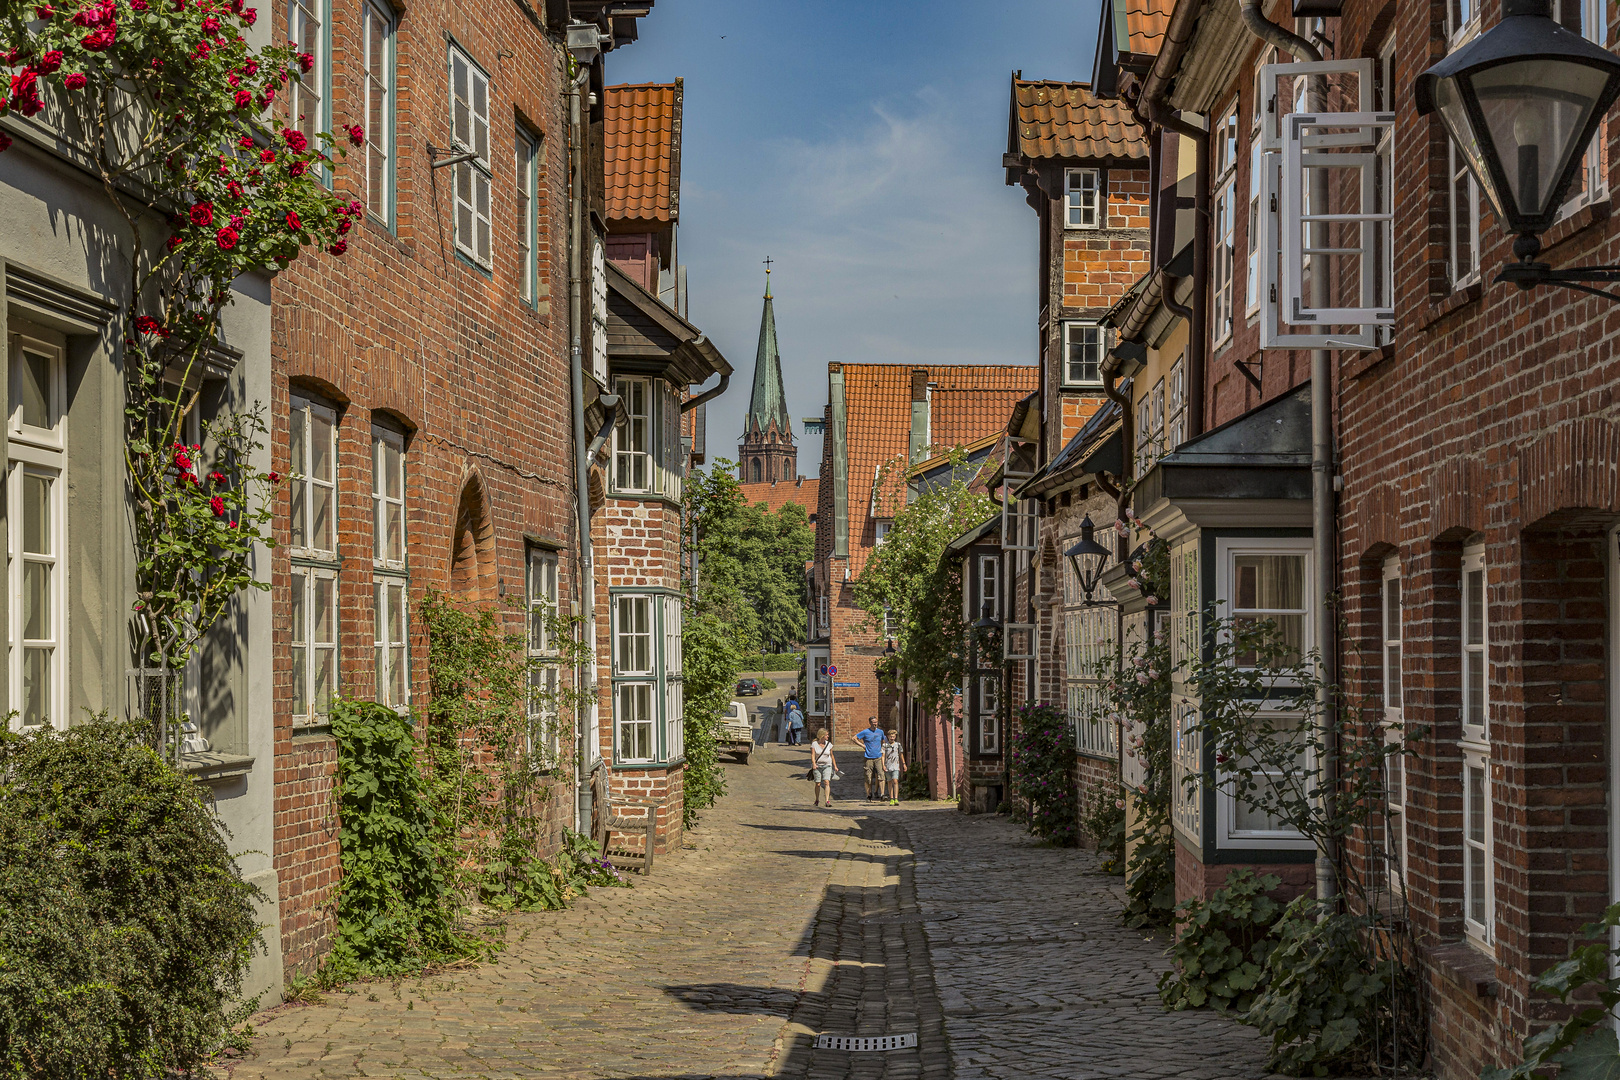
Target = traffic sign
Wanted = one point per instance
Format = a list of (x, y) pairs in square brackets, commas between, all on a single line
[(832, 670)]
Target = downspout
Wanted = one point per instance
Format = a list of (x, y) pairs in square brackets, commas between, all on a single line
[(585, 576), (1321, 456), (707, 395)]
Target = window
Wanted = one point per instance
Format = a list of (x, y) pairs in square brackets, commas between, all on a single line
[(1462, 20), (1175, 432), (306, 102), (1144, 434), (1394, 763), (1462, 221), (527, 174), (1258, 104), (1082, 354), (1082, 205), (1391, 619), (1158, 419), (759, 471), (1589, 18), (1270, 587), (648, 458), (1383, 291), (1223, 141), (989, 587), (889, 625), (378, 31), (1187, 772), (647, 678), (36, 505), (821, 613), (390, 582), (469, 132), (1479, 843), (1088, 639), (880, 530), (819, 689), (989, 714), (540, 604), (312, 538)]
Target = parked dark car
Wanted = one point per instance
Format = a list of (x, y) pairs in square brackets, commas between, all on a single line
[(749, 688)]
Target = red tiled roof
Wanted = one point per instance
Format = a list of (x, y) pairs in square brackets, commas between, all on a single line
[(967, 402), (642, 137), (1063, 120), (1146, 22), (779, 494)]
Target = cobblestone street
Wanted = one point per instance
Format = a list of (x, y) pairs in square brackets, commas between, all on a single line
[(779, 922)]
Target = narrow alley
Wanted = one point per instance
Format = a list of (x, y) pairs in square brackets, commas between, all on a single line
[(779, 922)]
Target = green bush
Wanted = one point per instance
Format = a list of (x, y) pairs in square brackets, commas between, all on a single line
[(1326, 1001), (791, 661), (914, 781), (1221, 951), (396, 909), (1043, 772), (1583, 1047), (709, 659), (125, 926), (1104, 821)]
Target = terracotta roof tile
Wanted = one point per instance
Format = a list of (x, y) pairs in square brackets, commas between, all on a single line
[(779, 494), (1146, 21), (1063, 120), (968, 402), (642, 136)]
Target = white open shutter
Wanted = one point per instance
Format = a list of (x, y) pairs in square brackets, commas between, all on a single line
[(1339, 82)]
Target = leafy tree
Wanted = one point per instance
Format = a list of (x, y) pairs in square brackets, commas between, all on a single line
[(922, 595)]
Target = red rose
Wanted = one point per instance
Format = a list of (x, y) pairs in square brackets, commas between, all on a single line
[(295, 140), (100, 39), (217, 477), (44, 11), (249, 15), (245, 142), (210, 25), (268, 95), (5, 142), (74, 80), (297, 168), (49, 62), (202, 214), (267, 156), (251, 66), (274, 478), (181, 461), (339, 248), (174, 242), (217, 505), (357, 134), (243, 99), (202, 49), (344, 226), (306, 62), (235, 189), (137, 5), (148, 325), (293, 224), (226, 238), (188, 478), (356, 207)]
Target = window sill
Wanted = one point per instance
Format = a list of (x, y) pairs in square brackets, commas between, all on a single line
[(210, 767), (626, 766), (1365, 363), (1587, 216), (1465, 966), (322, 730), (1460, 297), (1082, 388)]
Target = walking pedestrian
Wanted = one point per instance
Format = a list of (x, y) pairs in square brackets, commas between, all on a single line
[(795, 723), (788, 706), (871, 738), (894, 763), (822, 766)]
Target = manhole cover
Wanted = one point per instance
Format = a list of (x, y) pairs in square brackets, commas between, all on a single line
[(862, 1043), (908, 917)]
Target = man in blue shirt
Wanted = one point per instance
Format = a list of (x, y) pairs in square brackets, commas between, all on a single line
[(872, 740)]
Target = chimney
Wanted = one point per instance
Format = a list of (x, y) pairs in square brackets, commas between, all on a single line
[(918, 445)]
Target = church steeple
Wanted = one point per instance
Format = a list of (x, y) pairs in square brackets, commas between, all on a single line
[(767, 451)]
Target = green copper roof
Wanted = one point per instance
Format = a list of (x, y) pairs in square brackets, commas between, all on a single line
[(768, 401)]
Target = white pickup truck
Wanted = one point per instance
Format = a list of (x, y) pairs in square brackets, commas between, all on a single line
[(736, 734)]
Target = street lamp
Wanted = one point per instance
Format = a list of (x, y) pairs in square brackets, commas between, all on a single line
[(1088, 559), (1522, 102)]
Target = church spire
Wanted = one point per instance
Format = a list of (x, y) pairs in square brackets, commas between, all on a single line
[(769, 400)]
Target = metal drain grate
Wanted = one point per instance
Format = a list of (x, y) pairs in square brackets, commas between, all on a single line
[(908, 917), (861, 1043)]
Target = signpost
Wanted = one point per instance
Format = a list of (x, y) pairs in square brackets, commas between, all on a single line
[(832, 706)]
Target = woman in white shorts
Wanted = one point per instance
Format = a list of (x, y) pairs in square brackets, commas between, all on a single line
[(822, 766)]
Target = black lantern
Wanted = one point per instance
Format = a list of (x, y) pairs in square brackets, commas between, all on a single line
[(1522, 102), (987, 620), (1088, 559)]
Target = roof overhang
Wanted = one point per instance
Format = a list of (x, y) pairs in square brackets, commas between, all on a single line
[(668, 346), (976, 535)]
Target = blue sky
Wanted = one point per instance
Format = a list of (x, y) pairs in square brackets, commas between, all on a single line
[(859, 146)]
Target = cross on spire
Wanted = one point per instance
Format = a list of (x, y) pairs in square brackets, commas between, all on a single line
[(768, 261)]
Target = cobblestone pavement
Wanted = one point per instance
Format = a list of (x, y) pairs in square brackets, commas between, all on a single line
[(777, 923)]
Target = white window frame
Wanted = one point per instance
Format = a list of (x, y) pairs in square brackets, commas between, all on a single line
[(378, 24), (599, 311), (310, 411), (658, 675), (1389, 606), (1479, 845), (1082, 199), (1088, 640), (1475, 653), (820, 685), (880, 530), (390, 575), (472, 180), (1228, 832), (1091, 339), (989, 587), (306, 589), (633, 440), (526, 173), (1479, 851), (1462, 220), (1389, 616), (38, 451), (1187, 772), (309, 29), (540, 599), (1223, 140), (1229, 549), (1175, 425), (1591, 178), (671, 663), (989, 711)]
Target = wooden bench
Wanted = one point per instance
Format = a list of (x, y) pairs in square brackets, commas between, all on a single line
[(611, 821)]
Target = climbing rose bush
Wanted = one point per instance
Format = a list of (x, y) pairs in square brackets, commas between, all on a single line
[(1042, 761), (174, 113)]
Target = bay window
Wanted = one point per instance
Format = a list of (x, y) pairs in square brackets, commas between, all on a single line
[(647, 692), (1088, 638), (648, 458), (36, 501)]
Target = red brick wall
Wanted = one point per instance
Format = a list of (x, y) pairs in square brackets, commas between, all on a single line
[(1199, 880), (401, 328)]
